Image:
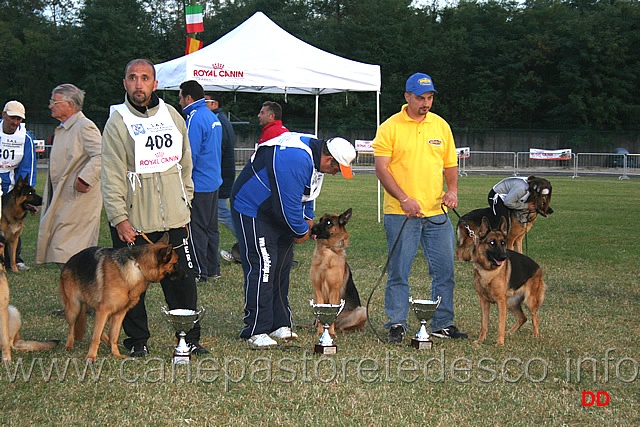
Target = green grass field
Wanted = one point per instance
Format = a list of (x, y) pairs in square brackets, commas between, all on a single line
[(589, 250)]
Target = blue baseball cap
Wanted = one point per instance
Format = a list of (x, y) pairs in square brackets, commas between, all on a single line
[(419, 83)]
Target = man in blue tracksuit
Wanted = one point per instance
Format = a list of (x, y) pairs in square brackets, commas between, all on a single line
[(205, 137), (272, 205)]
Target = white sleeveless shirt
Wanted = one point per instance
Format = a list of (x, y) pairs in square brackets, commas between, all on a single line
[(158, 142), (12, 148)]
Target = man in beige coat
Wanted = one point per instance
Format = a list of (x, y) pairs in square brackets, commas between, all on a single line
[(72, 205)]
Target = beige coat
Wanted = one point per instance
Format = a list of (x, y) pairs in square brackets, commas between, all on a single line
[(70, 221)]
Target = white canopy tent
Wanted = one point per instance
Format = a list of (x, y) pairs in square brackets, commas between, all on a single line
[(260, 57)]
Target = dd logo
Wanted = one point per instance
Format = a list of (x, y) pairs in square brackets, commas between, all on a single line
[(599, 398)]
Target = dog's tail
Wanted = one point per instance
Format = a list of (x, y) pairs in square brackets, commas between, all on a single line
[(81, 323), (352, 321), (23, 345), (15, 322)]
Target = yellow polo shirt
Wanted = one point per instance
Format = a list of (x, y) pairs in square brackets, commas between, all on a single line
[(419, 152)]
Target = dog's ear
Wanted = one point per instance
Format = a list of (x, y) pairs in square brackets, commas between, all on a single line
[(503, 225), (345, 217), (164, 239), (165, 254), (484, 226)]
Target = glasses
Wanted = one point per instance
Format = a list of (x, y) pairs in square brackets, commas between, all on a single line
[(54, 102)]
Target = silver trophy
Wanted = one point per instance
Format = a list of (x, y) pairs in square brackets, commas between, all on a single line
[(182, 320), (424, 309), (326, 314)]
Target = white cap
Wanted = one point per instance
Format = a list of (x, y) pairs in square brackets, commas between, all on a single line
[(14, 109), (344, 153)]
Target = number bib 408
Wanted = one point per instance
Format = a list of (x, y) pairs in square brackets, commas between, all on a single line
[(158, 143)]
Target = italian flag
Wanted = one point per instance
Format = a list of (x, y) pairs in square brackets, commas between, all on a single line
[(195, 24), (193, 45)]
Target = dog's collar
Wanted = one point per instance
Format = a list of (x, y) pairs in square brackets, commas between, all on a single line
[(341, 245)]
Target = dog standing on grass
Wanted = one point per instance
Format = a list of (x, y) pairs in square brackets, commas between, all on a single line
[(111, 282), (16, 204), (506, 278), (331, 275)]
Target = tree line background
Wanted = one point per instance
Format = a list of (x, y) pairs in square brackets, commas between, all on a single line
[(541, 64)]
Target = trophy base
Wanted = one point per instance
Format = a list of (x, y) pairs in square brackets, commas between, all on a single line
[(181, 359), (325, 349), (421, 345)]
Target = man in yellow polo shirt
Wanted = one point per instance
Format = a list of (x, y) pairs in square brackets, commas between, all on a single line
[(414, 155)]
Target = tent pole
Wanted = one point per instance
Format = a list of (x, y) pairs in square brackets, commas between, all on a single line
[(317, 105), (377, 125)]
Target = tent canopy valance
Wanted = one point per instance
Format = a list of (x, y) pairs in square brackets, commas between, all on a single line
[(260, 57)]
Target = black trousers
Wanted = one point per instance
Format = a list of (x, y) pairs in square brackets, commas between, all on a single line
[(267, 252), (177, 293), (498, 209)]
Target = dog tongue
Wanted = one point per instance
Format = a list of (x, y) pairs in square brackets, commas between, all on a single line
[(498, 262)]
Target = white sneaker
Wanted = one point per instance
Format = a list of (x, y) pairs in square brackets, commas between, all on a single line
[(284, 333), (261, 340), (227, 256), (23, 267)]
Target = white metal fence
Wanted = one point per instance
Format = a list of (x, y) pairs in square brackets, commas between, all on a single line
[(621, 165), (624, 166)]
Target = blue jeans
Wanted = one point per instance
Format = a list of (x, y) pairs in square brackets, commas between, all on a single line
[(224, 215), (436, 236)]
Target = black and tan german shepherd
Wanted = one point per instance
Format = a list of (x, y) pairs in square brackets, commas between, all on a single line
[(111, 282), (506, 278), (331, 275), (519, 224), (16, 204)]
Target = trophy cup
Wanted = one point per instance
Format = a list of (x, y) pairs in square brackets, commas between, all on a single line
[(424, 310), (182, 320), (326, 314)]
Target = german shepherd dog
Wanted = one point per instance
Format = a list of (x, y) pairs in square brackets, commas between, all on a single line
[(504, 277), (111, 281), (331, 275), (16, 204), (11, 321), (519, 224)]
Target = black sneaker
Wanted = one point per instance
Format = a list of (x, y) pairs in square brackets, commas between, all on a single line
[(396, 334), (450, 332), (139, 350), (197, 349)]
